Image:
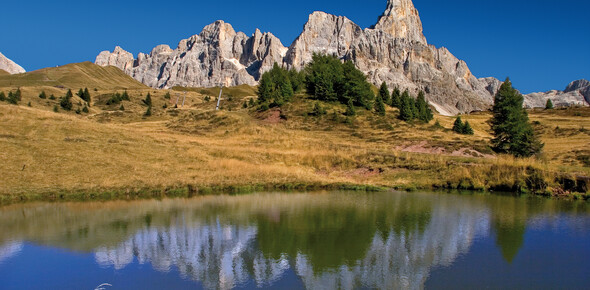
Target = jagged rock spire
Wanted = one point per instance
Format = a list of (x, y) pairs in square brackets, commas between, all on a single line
[(401, 20)]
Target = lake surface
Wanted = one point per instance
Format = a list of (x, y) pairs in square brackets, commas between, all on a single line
[(329, 240)]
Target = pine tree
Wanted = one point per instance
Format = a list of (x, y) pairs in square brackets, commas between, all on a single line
[(148, 112), (384, 93), (87, 97), (424, 112), (18, 95), (125, 96), (549, 105), (407, 107), (69, 94), (12, 99), (458, 126), (80, 94), (167, 96), (467, 130), (245, 105), (2, 97), (85, 109), (380, 106), (396, 98), (42, 95), (513, 133), (147, 101), (350, 110)]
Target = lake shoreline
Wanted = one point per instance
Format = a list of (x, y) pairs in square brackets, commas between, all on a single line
[(191, 190)]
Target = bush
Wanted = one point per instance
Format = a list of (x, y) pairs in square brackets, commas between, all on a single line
[(318, 110), (85, 109), (2, 97), (42, 95)]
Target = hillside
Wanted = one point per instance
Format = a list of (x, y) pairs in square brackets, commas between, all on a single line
[(73, 76), (197, 148)]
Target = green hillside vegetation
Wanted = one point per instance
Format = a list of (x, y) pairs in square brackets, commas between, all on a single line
[(112, 148)]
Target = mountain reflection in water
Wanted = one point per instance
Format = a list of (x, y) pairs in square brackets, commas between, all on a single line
[(328, 240)]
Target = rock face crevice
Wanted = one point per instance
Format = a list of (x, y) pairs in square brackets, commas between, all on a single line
[(10, 66), (394, 50)]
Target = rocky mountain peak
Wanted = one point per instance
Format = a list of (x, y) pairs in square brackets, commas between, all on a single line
[(10, 66), (577, 85), (401, 20)]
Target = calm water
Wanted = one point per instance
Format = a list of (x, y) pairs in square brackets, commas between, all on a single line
[(318, 241)]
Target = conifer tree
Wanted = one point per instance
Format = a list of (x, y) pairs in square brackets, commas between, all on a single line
[(467, 130), (350, 110), (147, 101), (18, 95), (424, 111), (407, 107), (549, 105), (86, 97), (148, 112), (380, 106), (513, 133), (384, 93), (42, 95), (458, 126), (396, 98), (2, 97), (69, 94), (80, 94)]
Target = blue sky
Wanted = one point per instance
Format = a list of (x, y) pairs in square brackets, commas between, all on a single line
[(540, 45)]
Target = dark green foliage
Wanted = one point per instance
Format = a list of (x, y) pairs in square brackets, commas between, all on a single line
[(318, 110), (2, 97), (85, 109), (122, 108), (275, 87), (42, 95), (165, 106), (263, 107), (118, 98), (80, 94), (18, 95), (328, 79), (467, 130), (251, 102), (380, 106), (147, 101), (29, 104), (549, 105), (66, 101), (424, 111), (78, 111), (207, 99), (384, 93), (167, 96), (245, 105), (458, 125), (55, 109), (149, 111), (297, 79), (86, 96), (350, 111), (407, 107), (12, 99), (52, 97), (513, 133), (396, 99)]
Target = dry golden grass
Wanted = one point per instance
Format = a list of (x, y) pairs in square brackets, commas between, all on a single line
[(43, 151)]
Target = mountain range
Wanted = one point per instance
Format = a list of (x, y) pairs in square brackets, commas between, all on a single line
[(394, 51)]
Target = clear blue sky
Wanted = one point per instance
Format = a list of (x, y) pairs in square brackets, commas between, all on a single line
[(541, 44)]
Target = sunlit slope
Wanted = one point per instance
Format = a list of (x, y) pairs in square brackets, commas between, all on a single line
[(73, 76)]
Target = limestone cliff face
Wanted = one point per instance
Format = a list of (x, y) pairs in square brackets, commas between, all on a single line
[(218, 55), (576, 93), (10, 66)]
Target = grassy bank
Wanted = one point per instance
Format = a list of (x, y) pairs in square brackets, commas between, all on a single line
[(110, 153)]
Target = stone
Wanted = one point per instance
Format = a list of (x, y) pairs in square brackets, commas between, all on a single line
[(10, 66)]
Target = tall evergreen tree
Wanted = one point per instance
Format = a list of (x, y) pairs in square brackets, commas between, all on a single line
[(396, 98), (458, 126), (66, 101), (407, 107), (549, 105), (147, 101), (380, 106), (87, 97), (384, 93), (18, 95), (513, 133), (424, 111), (467, 130), (80, 94)]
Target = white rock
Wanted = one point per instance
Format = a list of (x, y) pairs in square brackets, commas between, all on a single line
[(10, 66)]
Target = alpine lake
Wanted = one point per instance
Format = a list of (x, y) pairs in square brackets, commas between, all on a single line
[(318, 240)]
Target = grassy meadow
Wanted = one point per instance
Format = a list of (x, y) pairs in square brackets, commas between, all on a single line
[(118, 152)]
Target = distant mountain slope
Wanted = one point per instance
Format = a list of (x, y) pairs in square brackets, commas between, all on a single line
[(576, 93), (74, 76), (10, 66)]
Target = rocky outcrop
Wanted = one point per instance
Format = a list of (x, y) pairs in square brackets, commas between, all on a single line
[(577, 93), (394, 51), (10, 66), (218, 55)]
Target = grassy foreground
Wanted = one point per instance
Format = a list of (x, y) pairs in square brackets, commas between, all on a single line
[(110, 153)]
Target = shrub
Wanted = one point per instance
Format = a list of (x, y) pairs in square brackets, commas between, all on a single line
[(42, 95)]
